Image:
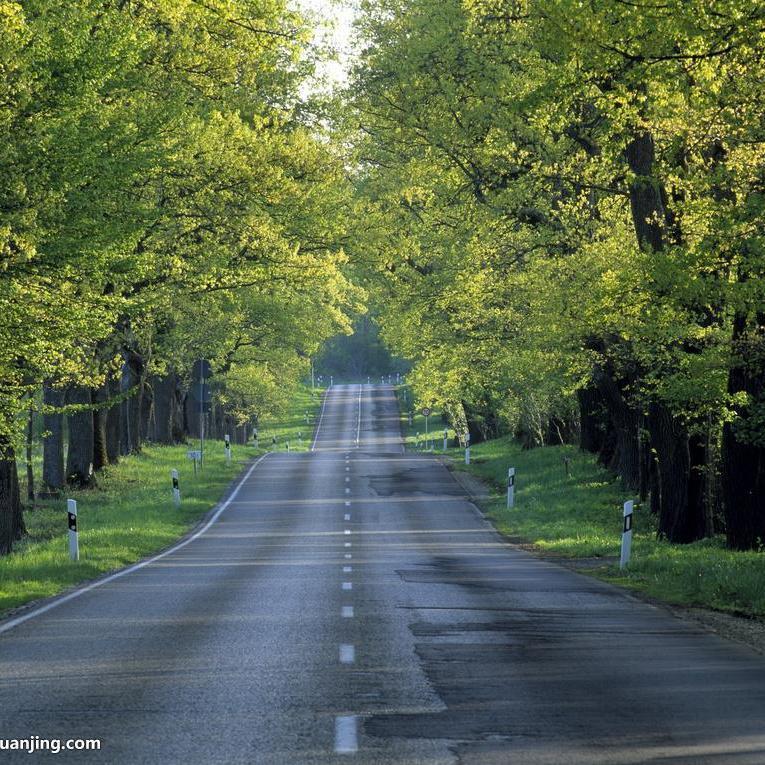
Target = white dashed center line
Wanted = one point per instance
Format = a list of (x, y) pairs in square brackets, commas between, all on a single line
[(347, 653), (347, 516), (347, 612), (347, 585), (347, 569), (346, 736)]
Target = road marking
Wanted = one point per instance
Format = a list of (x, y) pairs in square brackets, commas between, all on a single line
[(347, 585), (348, 556), (347, 504), (347, 470), (136, 566), (321, 417), (347, 612), (347, 653), (346, 736), (347, 569), (347, 544), (347, 479), (347, 490), (347, 517), (347, 531)]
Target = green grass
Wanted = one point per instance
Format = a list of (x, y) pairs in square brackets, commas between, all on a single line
[(130, 514), (580, 516), (293, 427)]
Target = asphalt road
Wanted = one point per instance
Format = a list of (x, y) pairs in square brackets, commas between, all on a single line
[(351, 605)]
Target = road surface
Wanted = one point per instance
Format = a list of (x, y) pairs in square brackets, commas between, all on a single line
[(351, 605)]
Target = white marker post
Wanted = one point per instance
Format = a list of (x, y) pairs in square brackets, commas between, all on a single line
[(510, 487), (255, 436), (176, 488), (467, 448), (446, 439), (288, 445), (627, 534), (227, 440), (331, 381), (74, 544)]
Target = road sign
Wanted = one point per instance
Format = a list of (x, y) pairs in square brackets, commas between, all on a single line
[(426, 411)]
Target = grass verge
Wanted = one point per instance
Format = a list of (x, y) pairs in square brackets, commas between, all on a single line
[(130, 514), (579, 516)]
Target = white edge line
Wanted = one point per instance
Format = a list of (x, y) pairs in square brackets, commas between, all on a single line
[(7, 626), (321, 417)]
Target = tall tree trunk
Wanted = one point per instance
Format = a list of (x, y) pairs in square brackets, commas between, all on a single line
[(53, 441), (11, 519), (679, 507), (132, 376), (29, 444), (743, 449), (680, 477), (100, 454), (163, 388), (147, 411), (591, 415), (625, 423), (79, 462), (113, 422)]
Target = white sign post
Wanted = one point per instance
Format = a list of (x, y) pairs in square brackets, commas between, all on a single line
[(626, 534), (510, 487), (426, 413), (74, 543), (176, 488), (446, 438), (467, 448), (227, 440)]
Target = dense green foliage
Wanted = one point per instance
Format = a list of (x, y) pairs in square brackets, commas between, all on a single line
[(166, 194), (563, 228)]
